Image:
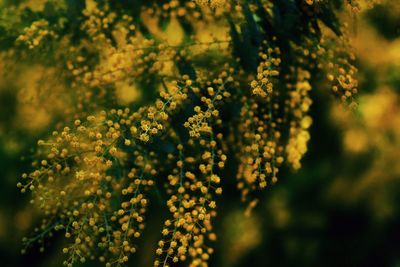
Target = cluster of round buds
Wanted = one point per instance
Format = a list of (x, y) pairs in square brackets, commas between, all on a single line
[(155, 117), (200, 122), (127, 223), (93, 177), (211, 3), (80, 146), (97, 22), (260, 137), (82, 174), (78, 182), (298, 105), (115, 62), (126, 57), (133, 57), (341, 71), (34, 34), (262, 151), (267, 69), (120, 65), (174, 8), (193, 183)]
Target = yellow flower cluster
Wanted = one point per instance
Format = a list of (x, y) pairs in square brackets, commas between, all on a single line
[(200, 122), (341, 71), (36, 33), (80, 177), (97, 21), (92, 179), (262, 152), (126, 58), (195, 180), (211, 3), (78, 182), (155, 116), (264, 143), (193, 184), (266, 70), (299, 105)]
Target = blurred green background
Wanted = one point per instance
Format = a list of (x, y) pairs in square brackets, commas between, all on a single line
[(341, 209)]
